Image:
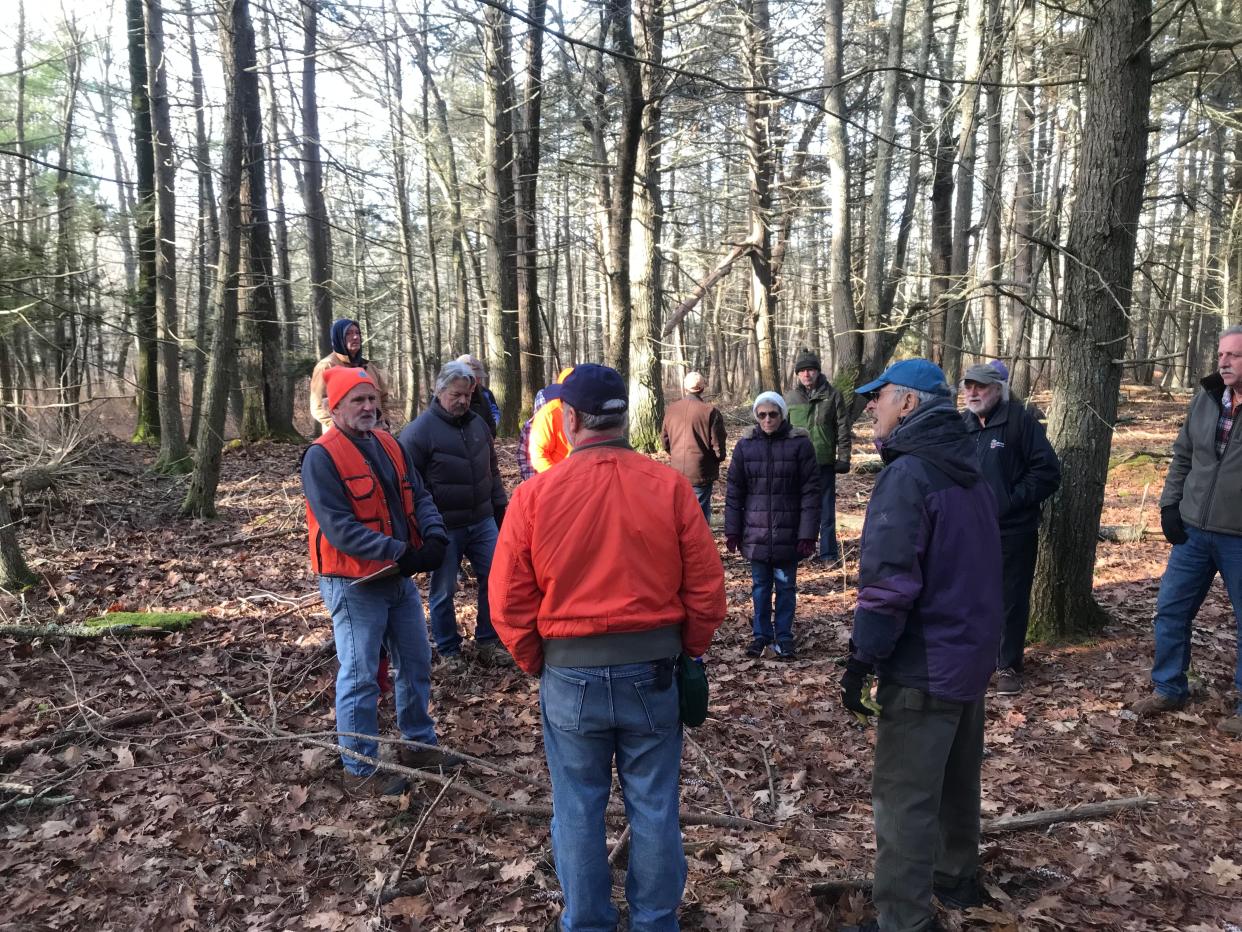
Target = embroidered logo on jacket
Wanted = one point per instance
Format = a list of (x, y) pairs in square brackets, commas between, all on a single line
[(996, 444)]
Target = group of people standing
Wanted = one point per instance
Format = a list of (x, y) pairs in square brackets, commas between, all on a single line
[(600, 575)]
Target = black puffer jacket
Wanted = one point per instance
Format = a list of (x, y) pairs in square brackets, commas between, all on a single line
[(772, 499), (457, 460)]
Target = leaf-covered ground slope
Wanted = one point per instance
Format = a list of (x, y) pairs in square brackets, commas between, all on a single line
[(182, 788)]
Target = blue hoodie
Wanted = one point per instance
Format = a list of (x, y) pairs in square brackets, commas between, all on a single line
[(930, 612)]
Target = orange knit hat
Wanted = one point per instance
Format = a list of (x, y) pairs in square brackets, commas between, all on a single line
[(340, 380)]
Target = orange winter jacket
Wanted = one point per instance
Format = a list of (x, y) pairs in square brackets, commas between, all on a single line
[(548, 445), (614, 543)]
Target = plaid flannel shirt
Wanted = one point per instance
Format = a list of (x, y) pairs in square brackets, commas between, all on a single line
[(525, 470), (1224, 426)]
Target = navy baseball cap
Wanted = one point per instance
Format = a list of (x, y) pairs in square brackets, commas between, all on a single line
[(922, 374), (594, 389)]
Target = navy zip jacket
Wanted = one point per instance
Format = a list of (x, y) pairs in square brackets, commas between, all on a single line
[(772, 498), (929, 611), (1017, 461)]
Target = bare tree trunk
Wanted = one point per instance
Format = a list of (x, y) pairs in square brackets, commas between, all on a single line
[(67, 371), (504, 361), (847, 342), (208, 223), (526, 166), (173, 457), (761, 114), (318, 230), (14, 573), (630, 112), (994, 166), (235, 36), (646, 390), (1097, 302), (147, 429), (1023, 190)]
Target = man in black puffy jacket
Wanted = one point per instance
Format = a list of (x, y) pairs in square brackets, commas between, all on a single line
[(1020, 466), (772, 503), (452, 449)]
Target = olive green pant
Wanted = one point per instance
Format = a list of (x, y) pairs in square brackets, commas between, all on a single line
[(925, 795)]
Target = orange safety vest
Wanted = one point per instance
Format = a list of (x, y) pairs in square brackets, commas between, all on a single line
[(366, 495)]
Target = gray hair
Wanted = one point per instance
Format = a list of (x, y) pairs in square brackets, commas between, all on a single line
[(1232, 331), (601, 422), (925, 396), (452, 372)]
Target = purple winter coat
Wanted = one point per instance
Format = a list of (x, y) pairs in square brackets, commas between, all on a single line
[(772, 498), (929, 611)]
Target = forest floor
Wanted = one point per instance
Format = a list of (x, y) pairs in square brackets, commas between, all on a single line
[(180, 808)]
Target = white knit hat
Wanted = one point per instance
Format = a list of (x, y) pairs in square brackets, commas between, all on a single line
[(771, 398)]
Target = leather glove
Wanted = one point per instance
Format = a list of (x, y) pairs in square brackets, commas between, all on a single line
[(841, 466), (805, 548), (498, 512), (1171, 525), (853, 680), (426, 558), (731, 543)]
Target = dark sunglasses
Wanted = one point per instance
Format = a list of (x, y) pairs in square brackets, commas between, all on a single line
[(766, 415)]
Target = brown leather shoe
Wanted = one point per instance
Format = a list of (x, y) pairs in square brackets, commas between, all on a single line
[(426, 759), (1157, 704), (372, 785), (1008, 682)]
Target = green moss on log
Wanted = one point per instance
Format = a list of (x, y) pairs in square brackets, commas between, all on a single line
[(169, 621)]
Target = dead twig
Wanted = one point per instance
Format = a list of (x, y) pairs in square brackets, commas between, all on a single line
[(394, 879), (698, 748)]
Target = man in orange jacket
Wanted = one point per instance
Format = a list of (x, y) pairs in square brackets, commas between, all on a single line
[(548, 444), (367, 511), (602, 576)]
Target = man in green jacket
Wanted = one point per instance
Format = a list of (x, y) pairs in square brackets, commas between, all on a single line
[(1201, 516), (815, 405)]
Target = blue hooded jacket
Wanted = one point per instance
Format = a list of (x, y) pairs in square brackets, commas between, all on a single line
[(930, 612)]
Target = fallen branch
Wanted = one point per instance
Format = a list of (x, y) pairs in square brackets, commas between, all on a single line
[(31, 632), (1030, 820), (1126, 533), (123, 720), (1017, 823), (394, 880)]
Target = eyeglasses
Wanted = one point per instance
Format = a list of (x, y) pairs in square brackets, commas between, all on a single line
[(768, 415)]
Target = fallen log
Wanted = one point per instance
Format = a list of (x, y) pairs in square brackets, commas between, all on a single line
[(1126, 533), (1016, 823), (33, 632)]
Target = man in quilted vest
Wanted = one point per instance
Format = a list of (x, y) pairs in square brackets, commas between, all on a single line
[(370, 516)]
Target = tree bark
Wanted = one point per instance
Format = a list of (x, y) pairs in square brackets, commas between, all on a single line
[(147, 429), (646, 390), (318, 230), (173, 456), (235, 36), (1098, 280), (68, 377), (847, 340), (504, 361), (14, 573), (526, 166)]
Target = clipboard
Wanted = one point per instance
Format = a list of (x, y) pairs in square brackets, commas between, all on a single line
[(386, 573)]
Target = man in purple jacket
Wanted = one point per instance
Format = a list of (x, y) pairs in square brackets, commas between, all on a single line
[(928, 624)]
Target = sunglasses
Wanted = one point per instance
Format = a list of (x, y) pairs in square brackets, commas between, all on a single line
[(768, 415)]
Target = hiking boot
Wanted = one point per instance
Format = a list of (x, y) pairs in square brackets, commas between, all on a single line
[(426, 758), (453, 663), (785, 650), (372, 785), (756, 647), (1008, 682), (493, 654), (1156, 704), (964, 894), (1231, 726)]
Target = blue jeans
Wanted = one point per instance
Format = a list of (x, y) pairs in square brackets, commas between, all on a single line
[(1192, 567), (829, 549), (762, 577), (477, 542), (386, 613), (704, 494), (591, 716)]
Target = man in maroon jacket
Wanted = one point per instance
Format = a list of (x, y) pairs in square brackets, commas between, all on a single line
[(694, 437)]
